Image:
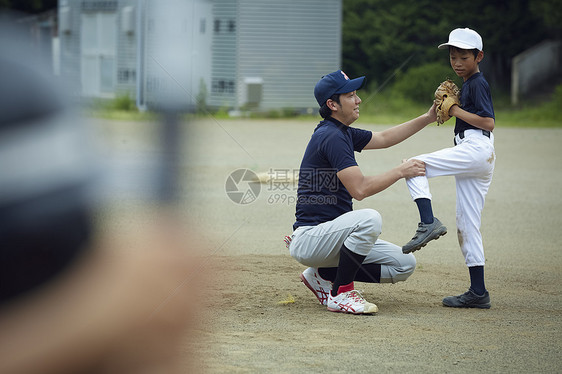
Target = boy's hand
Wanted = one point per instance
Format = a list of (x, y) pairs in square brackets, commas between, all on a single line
[(446, 95)]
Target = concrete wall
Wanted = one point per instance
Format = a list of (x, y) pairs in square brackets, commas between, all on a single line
[(534, 67)]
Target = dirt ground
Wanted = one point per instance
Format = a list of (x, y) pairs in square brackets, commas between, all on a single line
[(257, 315)]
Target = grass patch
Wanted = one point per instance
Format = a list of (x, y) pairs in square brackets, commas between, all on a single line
[(382, 109), (533, 113), (121, 108), (121, 115), (376, 108), (531, 117)]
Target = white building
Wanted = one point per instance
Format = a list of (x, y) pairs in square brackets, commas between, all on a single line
[(257, 54)]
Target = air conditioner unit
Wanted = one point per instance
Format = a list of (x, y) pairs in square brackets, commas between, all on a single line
[(253, 88)]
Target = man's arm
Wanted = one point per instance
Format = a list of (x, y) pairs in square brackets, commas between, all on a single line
[(360, 186), (398, 133), (484, 123)]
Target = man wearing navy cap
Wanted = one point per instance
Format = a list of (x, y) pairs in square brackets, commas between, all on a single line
[(338, 244)]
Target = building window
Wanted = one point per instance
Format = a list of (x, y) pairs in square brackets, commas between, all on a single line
[(217, 25), (125, 75), (231, 25), (223, 86), (99, 6)]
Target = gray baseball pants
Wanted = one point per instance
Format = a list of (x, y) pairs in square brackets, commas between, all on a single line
[(319, 246)]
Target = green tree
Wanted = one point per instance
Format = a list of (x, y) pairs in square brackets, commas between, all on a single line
[(380, 36), (29, 6), (550, 11)]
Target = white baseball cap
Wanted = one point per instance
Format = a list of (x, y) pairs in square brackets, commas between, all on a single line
[(464, 39)]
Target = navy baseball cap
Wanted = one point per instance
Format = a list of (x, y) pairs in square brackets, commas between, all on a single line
[(336, 83)]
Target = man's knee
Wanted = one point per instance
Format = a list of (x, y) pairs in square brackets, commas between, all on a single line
[(370, 222), (406, 268), (365, 230)]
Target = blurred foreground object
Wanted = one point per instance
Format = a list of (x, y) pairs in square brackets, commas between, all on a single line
[(72, 301), (127, 307), (46, 174)]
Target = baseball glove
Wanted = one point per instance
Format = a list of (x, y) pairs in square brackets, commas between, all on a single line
[(446, 95)]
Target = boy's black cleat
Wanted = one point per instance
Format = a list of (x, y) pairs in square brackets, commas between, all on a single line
[(468, 300), (425, 233)]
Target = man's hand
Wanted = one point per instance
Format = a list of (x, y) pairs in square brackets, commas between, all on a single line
[(432, 113), (412, 168)]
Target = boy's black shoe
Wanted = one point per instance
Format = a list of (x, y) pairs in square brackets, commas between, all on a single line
[(425, 233), (468, 300)]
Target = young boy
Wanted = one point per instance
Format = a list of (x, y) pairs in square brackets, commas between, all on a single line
[(471, 161)]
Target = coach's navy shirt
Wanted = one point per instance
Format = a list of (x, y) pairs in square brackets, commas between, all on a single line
[(321, 196), (475, 98)]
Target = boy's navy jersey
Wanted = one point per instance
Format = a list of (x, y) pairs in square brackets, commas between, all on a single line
[(475, 98), (321, 197)]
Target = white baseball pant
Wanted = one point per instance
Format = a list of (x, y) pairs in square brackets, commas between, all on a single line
[(319, 246), (472, 163)]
